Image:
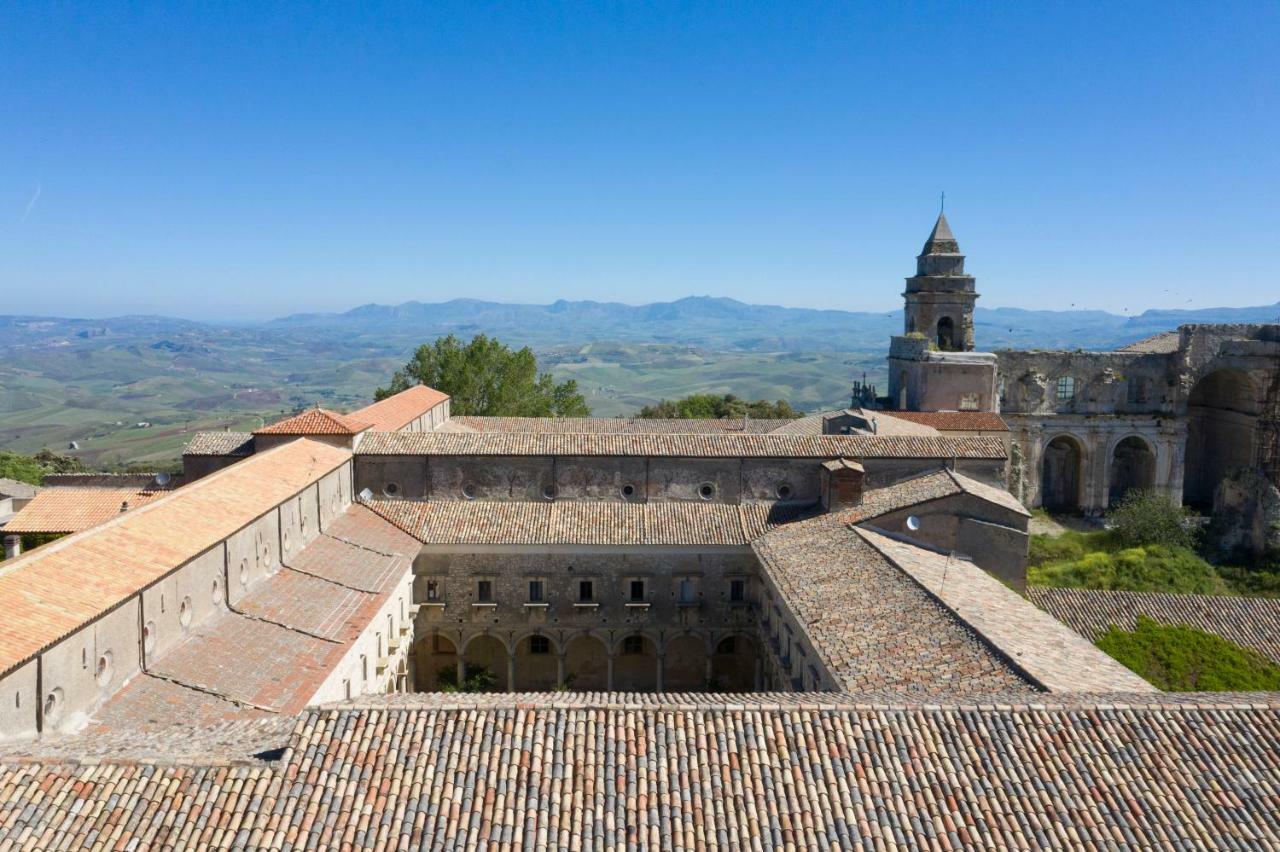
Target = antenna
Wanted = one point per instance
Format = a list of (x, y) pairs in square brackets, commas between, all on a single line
[(942, 204)]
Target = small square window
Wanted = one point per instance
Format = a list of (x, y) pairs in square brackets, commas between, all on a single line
[(484, 591), (633, 645), (535, 591), (686, 591), (737, 590), (1066, 388), (586, 593), (637, 591), (969, 402), (539, 645), (433, 590)]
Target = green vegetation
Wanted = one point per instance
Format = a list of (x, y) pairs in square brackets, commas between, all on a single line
[(485, 377), (32, 469), (1099, 560), (1148, 517), (476, 679), (1183, 659), (718, 406)]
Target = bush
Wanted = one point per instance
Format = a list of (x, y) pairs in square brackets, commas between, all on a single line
[(1148, 517), (476, 679), (1156, 568), (1183, 659)]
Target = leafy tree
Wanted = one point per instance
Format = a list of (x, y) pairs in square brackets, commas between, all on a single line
[(1148, 517), (708, 406), (1184, 659), (485, 377), (475, 679), (32, 469)]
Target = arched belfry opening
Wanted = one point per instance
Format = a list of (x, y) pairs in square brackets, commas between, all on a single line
[(1061, 475), (1133, 468), (1222, 419), (946, 335)]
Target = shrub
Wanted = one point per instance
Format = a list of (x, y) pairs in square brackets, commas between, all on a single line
[(1184, 659), (1148, 517), (476, 679), (1156, 568)]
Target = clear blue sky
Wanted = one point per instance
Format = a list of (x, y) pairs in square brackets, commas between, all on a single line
[(227, 160)]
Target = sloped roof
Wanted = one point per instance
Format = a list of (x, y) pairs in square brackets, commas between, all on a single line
[(399, 410), (680, 445), (952, 421), (923, 489), (71, 509), (219, 444), (316, 421), (55, 589), (20, 490), (618, 425), (1164, 343)]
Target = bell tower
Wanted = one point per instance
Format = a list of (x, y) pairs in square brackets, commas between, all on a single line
[(940, 296)]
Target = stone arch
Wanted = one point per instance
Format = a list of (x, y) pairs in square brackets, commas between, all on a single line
[(687, 663), (1222, 420), (947, 334), (636, 671), (1133, 466), (485, 650), (734, 663), (586, 663), (433, 653), (1062, 473), (536, 672)]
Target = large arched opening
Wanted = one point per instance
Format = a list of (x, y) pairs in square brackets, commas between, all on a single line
[(636, 666), (433, 655), (735, 664), (537, 664), (1061, 474), (686, 664), (586, 663), (1222, 418), (486, 654), (946, 334), (1133, 467)]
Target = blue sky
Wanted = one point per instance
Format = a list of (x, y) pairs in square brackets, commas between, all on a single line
[(244, 161)]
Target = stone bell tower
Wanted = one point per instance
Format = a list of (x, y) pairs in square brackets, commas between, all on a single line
[(940, 297)]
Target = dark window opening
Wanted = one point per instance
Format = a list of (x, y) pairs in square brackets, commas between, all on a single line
[(585, 591), (637, 591), (737, 590), (484, 591), (433, 590), (539, 645), (535, 591), (633, 645)]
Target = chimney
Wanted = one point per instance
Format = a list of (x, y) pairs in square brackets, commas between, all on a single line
[(124, 507), (841, 484), (12, 546)]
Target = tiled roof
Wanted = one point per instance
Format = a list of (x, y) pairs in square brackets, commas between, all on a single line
[(14, 488), (922, 489), (815, 424), (315, 421), (1249, 622), (617, 425), (952, 421), (1057, 658), (396, 412), (67, 510), (55, 589), (219, 444), (687, 446), (582, 522), (529, 774), (1163, 343), (855, 607)]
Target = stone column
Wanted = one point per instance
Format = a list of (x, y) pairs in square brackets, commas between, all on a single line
[(511, 672), (12, 546), (662, 664), (462, 668), (710, 669), (608, 681), (560, 670), (758, 682)]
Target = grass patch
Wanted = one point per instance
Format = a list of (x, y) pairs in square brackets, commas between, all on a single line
[(1183, 659)]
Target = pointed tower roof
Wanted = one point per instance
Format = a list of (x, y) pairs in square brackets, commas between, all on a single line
[(941, 240)]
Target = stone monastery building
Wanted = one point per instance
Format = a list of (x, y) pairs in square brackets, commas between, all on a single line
[(696, 634)]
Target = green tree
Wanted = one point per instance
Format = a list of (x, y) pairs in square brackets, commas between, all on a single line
[(1184, 659), (32, 469), (485, 377), (709, 406), (1149, 517)]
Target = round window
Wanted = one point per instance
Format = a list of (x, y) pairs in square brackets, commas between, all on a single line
[(244, 572), (149, 636), (549, 492), (469, 491), (217, 591), (913, 523), (706, 491), (783, 491), (628, 490), (184, 612), (391, 489), (104, 669)]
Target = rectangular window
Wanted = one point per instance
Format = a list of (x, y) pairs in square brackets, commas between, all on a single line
[(364, 667), (433, 590), (586, 593), (969, 402), (686, 591), (484, 591), (1066, 388), (637, 591), (633, 645), (535, 591), (539, 645), (737, 591)]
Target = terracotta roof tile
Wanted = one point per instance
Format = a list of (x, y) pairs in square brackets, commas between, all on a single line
[(1163, 343), (219, 444), (617, 425), (14, 488), (55, 589), (952, 421), (316, 421), (676, 445), (68, 510), (396, 412)]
